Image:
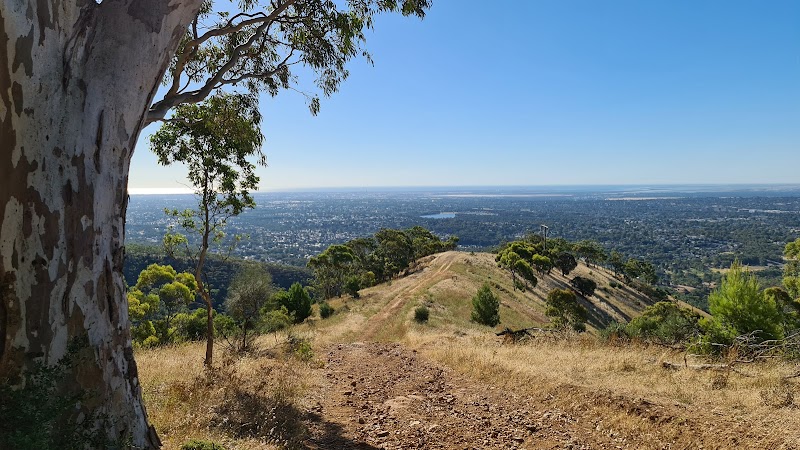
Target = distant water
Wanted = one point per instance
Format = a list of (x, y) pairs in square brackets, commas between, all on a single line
[(441, 215)]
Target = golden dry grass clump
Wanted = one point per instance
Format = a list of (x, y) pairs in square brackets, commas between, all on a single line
[(249, 402)]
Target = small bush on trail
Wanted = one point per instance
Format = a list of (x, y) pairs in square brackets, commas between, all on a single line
[(325, 310), (301, 348), (421, 314)]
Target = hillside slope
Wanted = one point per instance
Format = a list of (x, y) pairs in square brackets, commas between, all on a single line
[(446, 283), (372, 378)]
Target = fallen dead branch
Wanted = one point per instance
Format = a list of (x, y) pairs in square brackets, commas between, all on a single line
[(713, 367), (513, 336)]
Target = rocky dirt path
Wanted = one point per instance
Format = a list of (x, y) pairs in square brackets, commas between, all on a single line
[(386, 396)]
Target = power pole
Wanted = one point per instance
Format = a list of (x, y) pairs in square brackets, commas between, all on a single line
[(544, 229)]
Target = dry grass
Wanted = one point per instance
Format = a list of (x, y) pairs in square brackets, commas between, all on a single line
[(251, 402), (446, 285), (612, 381), (254, 402)]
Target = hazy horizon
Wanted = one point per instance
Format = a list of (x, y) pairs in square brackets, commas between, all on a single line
[(555, 188)]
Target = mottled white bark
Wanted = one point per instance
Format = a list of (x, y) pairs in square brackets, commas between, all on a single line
[(76, 79)]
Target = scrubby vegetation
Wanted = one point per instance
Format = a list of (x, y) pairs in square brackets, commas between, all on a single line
[(744, 318), (160, 308), (745, 322), (565, 311), (664, 323), (421, 314), (325, 310)]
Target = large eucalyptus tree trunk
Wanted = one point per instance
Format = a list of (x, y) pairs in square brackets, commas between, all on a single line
[(76, 78)]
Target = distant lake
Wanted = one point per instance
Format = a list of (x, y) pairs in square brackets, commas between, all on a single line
[(441, 215)]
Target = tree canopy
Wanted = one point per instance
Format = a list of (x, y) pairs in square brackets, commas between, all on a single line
[(362, 262), (155, 301), (261, 46), (565, 311), (591, 251)]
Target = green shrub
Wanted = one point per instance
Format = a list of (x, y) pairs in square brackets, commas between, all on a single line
[(352, 285), (325, 310), (566, 312), (196, 444), (223, 324), (486, 307), (740, 307), (613, 284), (296, 300), (665, 323), (585, 286), (192, 326), (368, 279), (276, 320), (421, 314), (301, 348), (614, 332), (150, 342)]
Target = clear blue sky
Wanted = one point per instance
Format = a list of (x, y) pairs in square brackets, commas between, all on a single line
[(549, 92)]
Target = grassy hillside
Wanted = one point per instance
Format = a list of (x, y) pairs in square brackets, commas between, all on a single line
[(446, 283), (374, 378)]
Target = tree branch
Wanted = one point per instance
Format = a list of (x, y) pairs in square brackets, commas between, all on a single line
[(174, 98)]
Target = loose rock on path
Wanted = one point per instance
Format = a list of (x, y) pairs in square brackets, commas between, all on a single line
[(386, 396)]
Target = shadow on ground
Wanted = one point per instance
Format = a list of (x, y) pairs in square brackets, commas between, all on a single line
[(329, 435)]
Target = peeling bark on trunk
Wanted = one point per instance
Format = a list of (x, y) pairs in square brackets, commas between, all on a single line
[(76, 78)]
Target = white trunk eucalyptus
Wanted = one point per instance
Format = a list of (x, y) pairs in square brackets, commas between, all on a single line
[(76, 81), (77, 84)]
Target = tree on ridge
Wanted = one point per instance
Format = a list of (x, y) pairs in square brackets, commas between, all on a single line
[(214, 139)]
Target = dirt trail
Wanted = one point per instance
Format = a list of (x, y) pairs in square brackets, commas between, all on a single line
[(386, 396), (405, 290)]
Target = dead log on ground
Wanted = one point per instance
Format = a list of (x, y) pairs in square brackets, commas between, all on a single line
[(512, 336), (713, 367)]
